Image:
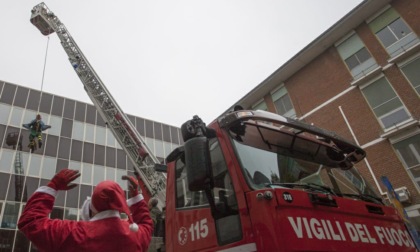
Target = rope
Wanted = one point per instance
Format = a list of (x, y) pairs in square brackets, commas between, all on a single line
[(43, 74)]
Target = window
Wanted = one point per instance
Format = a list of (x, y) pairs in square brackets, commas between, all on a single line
[(6, 160), (260, 105), (228, 224), (16, 117), (78, 130), (51, 146), (45, 103), (110, 173), (385, 103), (393, 32), (4, 113), (98, 174), (412, 73), (8, 93), (89, 132), (110, 139), (71, 213), (87, 174), (85, 191), (21, 97), (120, 173), (159, 152), (10, 215), (356, 56), (55, 123), (409, 152), (282, 102), (57, 107), (35, 165), (48, 168), (100, 135)]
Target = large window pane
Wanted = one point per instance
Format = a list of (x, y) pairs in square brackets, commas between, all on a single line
[(110, 139), (72, 199), (57, 108), (120, 173), (100, 135), (386, 37), (76, 166), (282, 102), (411, 71), (110, 156), (4, 113), (90, 114), (89, 133), (48, 168), (85, 191), (88, 152), (71, 213), (16, 117), (16, 188), (78, 130), (34, 165), (6, 160), (8, 93), (45, 103), (110, 173), (159, 149), (409, 152), (33, 100), (121, 159), (76, 150), (385, 103), (7, 239), (99, 155), (55, 123), (87, 174), (69, 108), (10, 216), (98, 174), (51, 146), (66, 128), (80, 111), (64, 148), (31, 185), (4, 184), (21, 97)]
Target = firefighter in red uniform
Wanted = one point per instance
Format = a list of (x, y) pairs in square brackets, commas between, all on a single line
[(104, 231)]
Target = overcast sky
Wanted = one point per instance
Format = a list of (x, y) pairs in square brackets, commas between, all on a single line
[(164, 60)]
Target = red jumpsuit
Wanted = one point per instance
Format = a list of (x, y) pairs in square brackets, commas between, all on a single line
[(104, 232)]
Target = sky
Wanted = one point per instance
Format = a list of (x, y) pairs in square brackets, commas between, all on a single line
[(164, 60)]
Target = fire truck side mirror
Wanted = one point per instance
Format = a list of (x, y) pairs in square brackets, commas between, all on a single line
[(198, 163)]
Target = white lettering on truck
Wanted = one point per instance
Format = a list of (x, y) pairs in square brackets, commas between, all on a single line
[(324, 229)]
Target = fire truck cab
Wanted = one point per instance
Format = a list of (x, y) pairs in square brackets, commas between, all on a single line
[(256, 181)]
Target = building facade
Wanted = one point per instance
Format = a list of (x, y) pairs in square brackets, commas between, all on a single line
[(78, 139), (361, 79)]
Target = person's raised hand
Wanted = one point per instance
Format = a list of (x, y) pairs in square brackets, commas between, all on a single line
[(134, 185), (62, 180)]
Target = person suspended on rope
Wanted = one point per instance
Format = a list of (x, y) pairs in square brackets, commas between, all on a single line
[(36, 126)]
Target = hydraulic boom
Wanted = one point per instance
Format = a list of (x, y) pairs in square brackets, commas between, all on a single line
[(131, 141)]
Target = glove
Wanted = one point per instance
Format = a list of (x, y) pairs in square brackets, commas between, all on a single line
[(134, 185), (61, 180)]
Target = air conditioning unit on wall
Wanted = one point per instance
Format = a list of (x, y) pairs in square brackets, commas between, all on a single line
[(403, 194)]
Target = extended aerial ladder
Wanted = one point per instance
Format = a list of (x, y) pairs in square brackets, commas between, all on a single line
[(146, 164)]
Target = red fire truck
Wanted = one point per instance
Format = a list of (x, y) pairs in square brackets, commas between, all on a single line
[(250, 180)]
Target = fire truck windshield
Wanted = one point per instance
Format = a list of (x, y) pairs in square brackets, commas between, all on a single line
[(278, 156)]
